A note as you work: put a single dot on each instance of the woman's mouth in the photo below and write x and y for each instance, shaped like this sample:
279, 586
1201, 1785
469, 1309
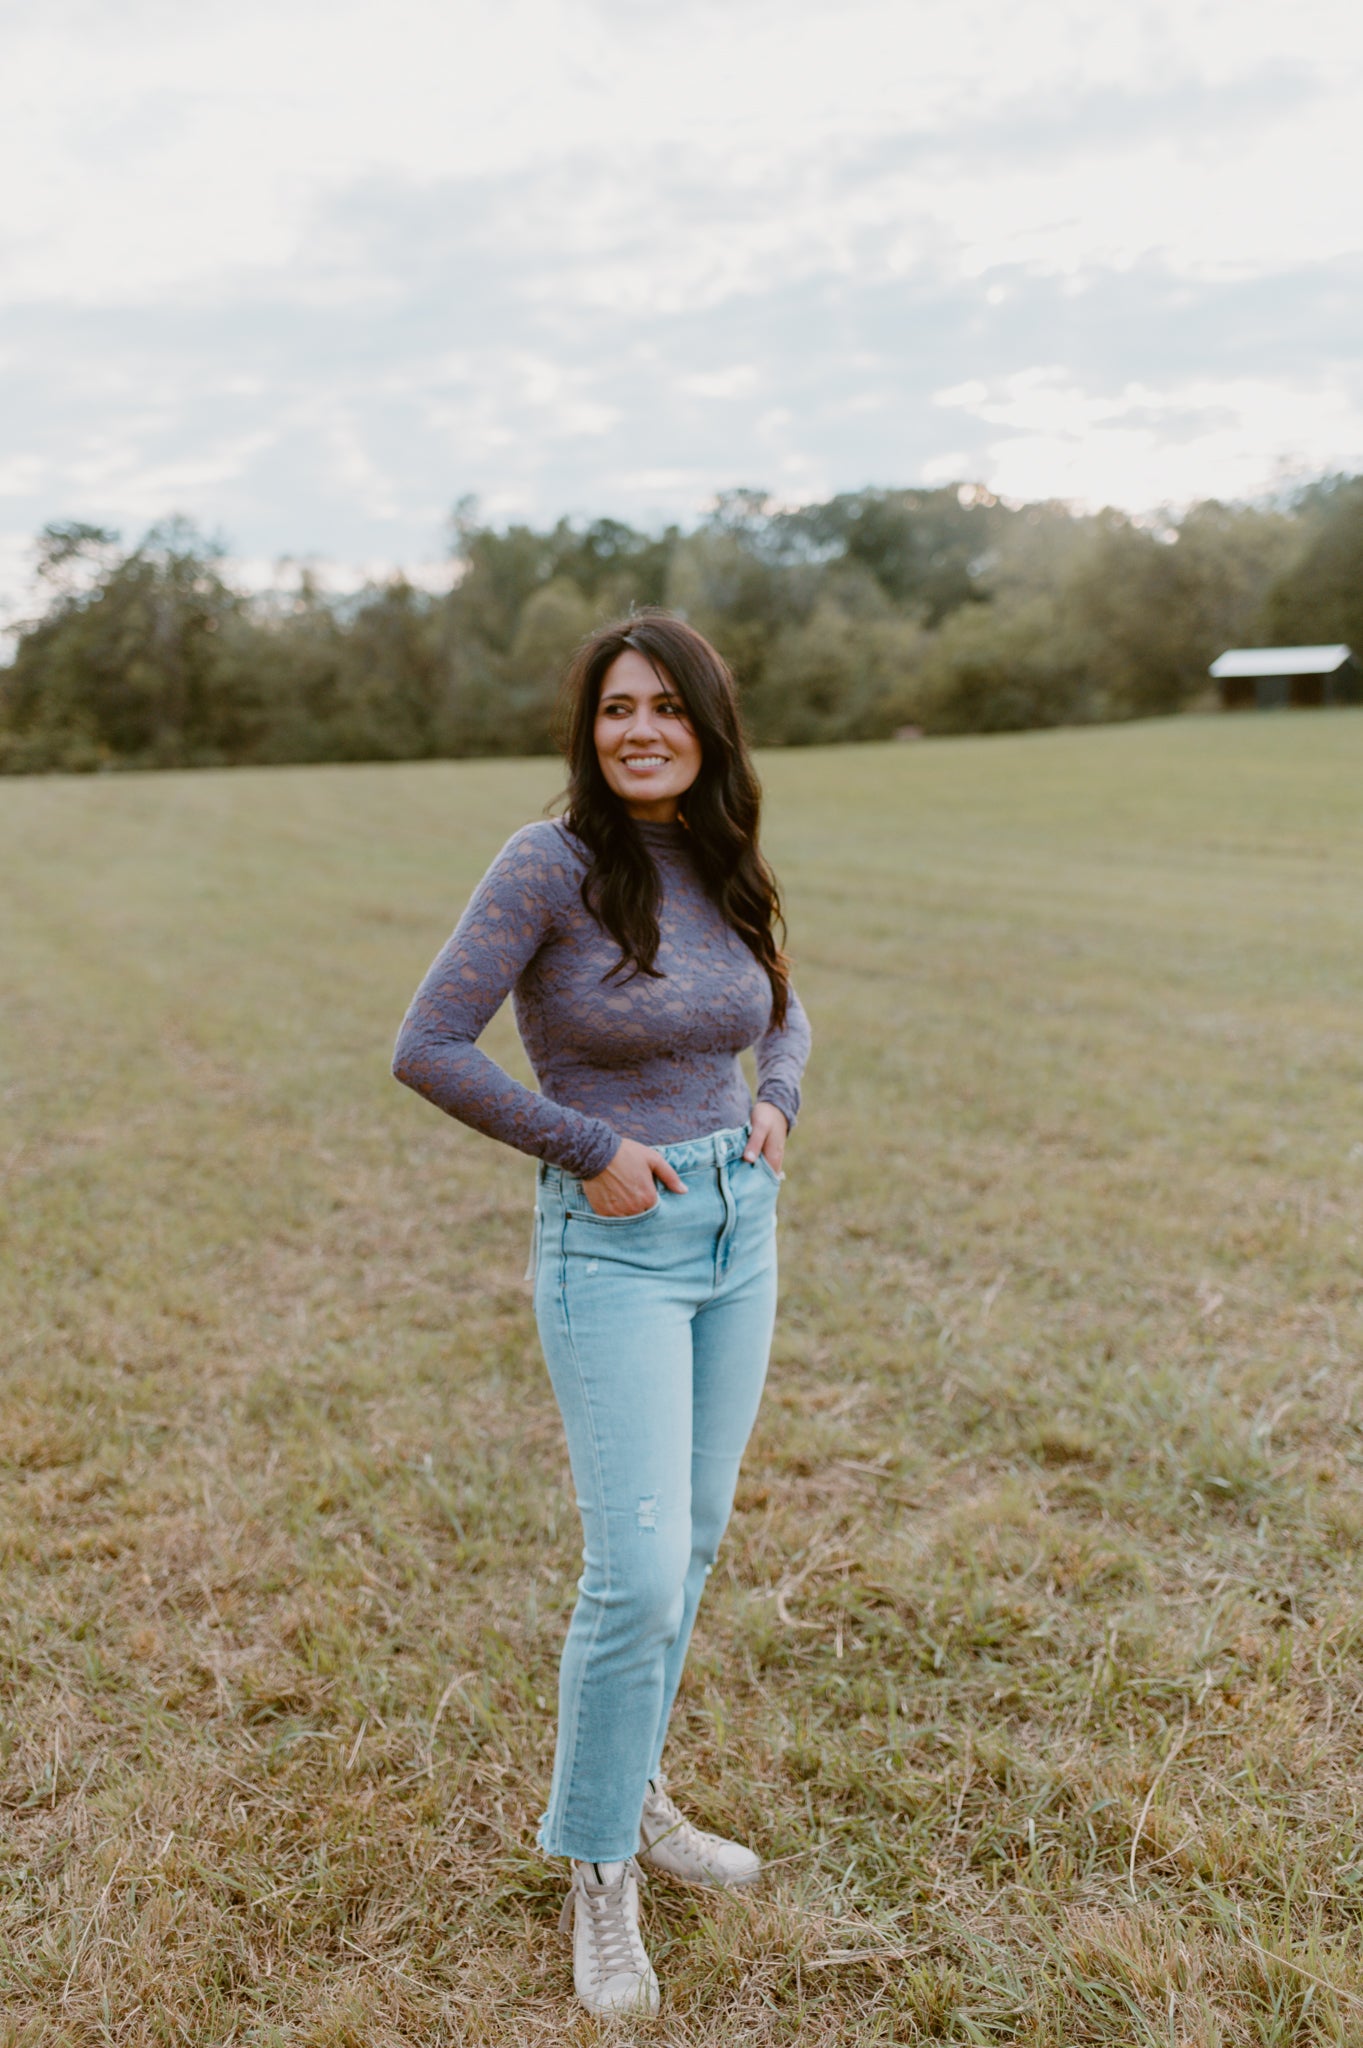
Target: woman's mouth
643, 764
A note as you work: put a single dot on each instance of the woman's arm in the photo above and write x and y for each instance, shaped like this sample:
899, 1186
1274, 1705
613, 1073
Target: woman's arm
781, 1056
509, 917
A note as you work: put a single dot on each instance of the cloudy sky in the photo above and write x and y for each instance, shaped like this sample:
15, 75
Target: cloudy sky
311, 270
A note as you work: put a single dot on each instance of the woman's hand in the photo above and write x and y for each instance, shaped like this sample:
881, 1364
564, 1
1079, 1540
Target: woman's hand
768, 1136
626, 1186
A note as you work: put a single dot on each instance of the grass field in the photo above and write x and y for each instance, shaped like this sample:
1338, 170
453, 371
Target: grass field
1035, 1652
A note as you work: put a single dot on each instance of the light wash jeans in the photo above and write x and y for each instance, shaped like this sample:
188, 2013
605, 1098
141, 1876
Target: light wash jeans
656, 1330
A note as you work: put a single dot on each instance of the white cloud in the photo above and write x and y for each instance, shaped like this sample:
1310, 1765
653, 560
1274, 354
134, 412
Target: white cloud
738, 381
311, 272
151, 151
1143, 446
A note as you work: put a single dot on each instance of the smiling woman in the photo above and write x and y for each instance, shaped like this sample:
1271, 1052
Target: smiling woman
638, 938
646, 745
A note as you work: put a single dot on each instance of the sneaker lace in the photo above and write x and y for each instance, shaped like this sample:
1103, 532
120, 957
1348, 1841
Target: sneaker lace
665, 1818
615, 1943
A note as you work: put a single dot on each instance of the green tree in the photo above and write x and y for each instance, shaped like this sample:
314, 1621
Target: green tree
843, 673
1001, 667
1229, 557
929, 550
723, 580
393, 680
123, 665
1318, 598
552, 624
614, 566
939, 607
1125, 602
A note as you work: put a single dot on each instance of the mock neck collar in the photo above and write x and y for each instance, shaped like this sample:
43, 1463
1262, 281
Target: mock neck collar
655, 833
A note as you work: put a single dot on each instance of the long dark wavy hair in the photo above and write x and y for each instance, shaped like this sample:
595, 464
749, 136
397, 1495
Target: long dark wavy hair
721, 809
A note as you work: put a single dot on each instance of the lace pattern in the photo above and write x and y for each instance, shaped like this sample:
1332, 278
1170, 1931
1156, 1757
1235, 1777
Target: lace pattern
655, 1060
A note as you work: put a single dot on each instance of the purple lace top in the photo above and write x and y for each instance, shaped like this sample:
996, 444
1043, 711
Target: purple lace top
652, 1060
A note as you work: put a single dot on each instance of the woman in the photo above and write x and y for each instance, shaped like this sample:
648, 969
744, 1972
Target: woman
637, 938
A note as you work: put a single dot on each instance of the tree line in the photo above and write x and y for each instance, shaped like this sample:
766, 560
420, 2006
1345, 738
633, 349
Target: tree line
946, 610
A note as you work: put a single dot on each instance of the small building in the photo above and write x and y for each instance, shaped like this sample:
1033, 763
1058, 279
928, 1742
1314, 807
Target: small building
1279, 678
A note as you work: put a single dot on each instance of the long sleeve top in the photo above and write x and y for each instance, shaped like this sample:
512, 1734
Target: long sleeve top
655, 1060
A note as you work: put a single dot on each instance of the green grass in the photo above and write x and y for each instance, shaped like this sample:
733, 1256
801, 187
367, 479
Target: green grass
1035, 1652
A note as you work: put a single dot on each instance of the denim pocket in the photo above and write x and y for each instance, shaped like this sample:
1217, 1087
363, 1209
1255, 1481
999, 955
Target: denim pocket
586, 1214
769, 1169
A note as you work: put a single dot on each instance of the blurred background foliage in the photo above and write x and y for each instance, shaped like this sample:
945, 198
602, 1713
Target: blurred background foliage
942, 609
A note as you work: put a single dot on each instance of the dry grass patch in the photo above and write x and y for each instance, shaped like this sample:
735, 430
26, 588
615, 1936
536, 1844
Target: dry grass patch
1033, 1657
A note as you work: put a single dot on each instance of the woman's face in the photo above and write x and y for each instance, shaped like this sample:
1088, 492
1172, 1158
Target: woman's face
648, 752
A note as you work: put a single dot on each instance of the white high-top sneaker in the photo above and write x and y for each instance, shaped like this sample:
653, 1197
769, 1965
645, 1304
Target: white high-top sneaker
668, 1841
611, 1969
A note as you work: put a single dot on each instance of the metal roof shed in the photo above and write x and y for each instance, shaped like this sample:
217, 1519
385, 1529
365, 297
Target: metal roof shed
1273, 678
